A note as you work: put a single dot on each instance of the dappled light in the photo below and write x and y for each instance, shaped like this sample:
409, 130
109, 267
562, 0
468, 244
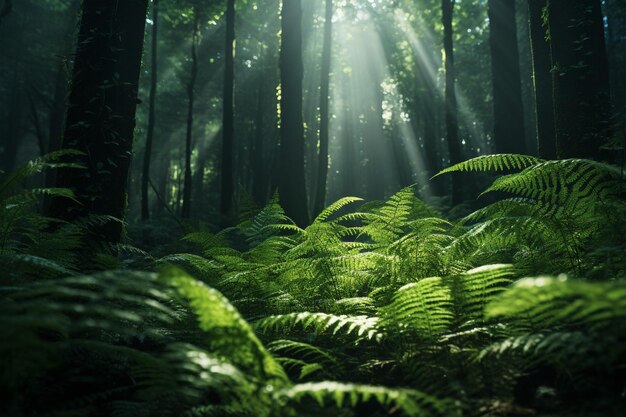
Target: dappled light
292, 208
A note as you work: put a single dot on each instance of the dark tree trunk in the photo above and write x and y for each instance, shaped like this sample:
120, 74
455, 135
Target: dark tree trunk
452, 127
508, 108
145, 174
580, 78
259, 174
542, 79
39, 134
228, 120
291, 184
9, 144
350, 152
101, 113
185, 211
56, 117
425, 111
322, 170
200, 202
6, 9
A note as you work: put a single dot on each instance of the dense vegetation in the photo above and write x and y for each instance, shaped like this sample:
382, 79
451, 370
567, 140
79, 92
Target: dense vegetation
479, 270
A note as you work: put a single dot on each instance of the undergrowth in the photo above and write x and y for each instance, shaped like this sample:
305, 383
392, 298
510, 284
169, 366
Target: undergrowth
378, 308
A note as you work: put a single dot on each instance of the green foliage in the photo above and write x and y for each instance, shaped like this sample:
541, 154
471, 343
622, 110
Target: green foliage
388, 309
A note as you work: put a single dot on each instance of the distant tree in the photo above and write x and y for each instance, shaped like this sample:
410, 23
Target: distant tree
452, 124
505, 68
616, 50
145, 174
185, 211
101, 113
7, 7
291, 184
542, 79
228, 119
324, 132
580, 77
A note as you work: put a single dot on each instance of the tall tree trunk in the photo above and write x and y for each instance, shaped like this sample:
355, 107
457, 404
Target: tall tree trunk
259, 173
322, 170
147, 157
9, 145
228, 117
542, 79
34, 116
580, 78
185, 211
291, 184
508, 109
425, 111
6, 9
452, 127
101, 113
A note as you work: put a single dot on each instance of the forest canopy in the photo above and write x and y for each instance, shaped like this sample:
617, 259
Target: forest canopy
298, 207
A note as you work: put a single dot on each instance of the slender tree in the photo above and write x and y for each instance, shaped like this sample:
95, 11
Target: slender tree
508, 109
6, 9
542, 79
259, 173
452, 127
228, 116
580, 77
185, 211
101, 113
145, 174
291, 184
322, 170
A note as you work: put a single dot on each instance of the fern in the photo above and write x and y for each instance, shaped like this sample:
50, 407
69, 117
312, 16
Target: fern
499, 162
361, 327
423, 308
409, 402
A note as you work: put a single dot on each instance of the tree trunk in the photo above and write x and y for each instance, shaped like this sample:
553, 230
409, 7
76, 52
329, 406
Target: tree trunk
452, 127
101, 113
145, 174
507, 88
185, 211
323, 160
425, 110
542, 79
147, 157
580, 78
259, 173
228, 119
291, 184
9, 145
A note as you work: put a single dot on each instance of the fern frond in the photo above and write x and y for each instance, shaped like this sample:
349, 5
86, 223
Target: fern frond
543, 302
216, 314
424, 308
409, 402
335, 207
361, 327
499, 162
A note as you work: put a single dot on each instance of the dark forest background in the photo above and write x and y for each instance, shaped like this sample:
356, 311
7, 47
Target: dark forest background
347, 208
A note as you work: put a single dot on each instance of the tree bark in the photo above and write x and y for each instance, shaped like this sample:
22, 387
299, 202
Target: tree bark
9, 145
323, 160
185, 211
145, 174
259, 173
292, 184
542, 79
452, 127
228, 117
580, 77
508, 109
101, 114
